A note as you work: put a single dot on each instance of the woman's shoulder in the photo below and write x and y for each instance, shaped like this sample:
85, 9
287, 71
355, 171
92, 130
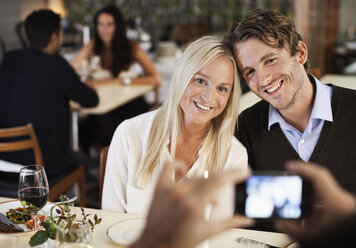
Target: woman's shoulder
90, 44
136, 129
237, 157
137, 50
236, 144
134, 44
140, 122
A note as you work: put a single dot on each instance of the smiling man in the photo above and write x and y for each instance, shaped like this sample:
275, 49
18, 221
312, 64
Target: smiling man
299, 117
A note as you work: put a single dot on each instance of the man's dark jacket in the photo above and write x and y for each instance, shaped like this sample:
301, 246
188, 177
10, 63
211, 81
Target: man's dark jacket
36, 88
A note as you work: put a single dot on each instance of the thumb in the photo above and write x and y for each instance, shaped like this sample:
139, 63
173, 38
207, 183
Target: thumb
237, 221
291, 228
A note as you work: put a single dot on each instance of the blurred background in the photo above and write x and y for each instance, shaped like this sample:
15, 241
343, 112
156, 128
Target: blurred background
327, 26
164, 28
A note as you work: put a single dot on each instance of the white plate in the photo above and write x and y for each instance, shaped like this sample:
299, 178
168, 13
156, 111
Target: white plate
125, 232
46, 210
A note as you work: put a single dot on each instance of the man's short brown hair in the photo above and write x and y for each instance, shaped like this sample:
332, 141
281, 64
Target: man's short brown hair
263, 25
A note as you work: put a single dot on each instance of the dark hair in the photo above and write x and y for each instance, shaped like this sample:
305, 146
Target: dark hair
263, 25
121, 46
40, 25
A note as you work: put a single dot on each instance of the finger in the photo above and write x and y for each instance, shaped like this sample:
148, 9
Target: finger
292, 228
208, 187
169, 169
237, 221
324, 183
310, 171
326, 187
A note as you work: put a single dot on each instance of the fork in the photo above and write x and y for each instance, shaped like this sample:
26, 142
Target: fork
253, 243
71, 200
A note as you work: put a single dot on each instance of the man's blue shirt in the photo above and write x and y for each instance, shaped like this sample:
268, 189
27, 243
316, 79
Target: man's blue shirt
304, 143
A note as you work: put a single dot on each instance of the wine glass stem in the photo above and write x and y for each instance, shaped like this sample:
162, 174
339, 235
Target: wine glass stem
36, 223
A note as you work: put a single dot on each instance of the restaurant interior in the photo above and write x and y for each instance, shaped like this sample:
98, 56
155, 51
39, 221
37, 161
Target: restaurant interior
164, 29
327, 27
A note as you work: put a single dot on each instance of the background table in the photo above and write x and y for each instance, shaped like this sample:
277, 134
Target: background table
226, 239
247, 100
346, 81
111, 96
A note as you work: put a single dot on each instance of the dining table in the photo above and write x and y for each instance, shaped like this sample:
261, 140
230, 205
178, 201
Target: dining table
109, 218
342, 80
247, 100
111, 96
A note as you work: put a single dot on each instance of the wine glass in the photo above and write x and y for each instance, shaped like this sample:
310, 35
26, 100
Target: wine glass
33, 188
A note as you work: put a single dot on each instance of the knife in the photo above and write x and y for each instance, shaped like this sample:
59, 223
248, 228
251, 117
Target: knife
253, 243
7, 225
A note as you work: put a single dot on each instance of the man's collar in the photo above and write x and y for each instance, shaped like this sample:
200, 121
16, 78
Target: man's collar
322, 102
321, 106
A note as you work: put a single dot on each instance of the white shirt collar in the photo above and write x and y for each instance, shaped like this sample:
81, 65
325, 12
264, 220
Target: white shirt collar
321, 108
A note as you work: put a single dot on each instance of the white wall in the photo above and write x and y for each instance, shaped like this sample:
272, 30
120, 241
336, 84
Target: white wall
346, 17
11, 12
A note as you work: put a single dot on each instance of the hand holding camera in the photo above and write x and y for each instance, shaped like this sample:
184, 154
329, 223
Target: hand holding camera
332, 204
268, 195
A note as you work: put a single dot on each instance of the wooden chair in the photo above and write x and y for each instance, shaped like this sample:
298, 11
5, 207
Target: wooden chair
2, 49
21, 34
12, 146
29, 141
103, 157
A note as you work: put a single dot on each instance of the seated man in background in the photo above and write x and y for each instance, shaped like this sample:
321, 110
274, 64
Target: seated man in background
36, 87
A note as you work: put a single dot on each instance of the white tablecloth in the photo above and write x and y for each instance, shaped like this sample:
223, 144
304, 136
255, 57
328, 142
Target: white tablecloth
224, 240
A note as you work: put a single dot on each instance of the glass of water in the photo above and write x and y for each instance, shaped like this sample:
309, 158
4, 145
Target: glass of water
78, 235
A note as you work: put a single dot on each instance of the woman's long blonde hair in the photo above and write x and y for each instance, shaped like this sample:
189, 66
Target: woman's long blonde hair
168, 121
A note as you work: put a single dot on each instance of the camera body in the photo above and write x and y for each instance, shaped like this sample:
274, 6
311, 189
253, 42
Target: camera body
273, 194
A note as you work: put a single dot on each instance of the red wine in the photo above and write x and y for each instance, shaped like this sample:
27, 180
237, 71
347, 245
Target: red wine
37, 196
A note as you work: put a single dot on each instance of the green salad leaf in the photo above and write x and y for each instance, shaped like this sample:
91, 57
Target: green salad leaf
65, 219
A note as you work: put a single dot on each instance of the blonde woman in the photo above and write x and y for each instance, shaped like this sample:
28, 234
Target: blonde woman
195, 125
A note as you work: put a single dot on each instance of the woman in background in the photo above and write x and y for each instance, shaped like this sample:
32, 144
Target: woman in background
117, 54
195, 124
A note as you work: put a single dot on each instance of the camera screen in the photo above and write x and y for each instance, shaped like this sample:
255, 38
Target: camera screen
273, 196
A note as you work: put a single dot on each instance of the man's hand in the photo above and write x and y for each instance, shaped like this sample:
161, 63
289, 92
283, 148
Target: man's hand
334, 204
176, 217
92, 83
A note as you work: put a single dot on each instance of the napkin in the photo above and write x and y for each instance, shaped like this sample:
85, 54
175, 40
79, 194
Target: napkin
6, 166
